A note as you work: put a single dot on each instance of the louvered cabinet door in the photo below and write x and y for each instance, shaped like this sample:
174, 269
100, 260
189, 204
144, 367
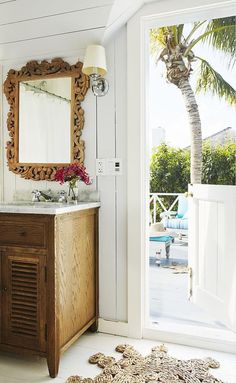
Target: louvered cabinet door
23, 300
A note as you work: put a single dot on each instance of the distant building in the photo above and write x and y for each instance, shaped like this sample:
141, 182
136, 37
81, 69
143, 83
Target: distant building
158, 136
221, 137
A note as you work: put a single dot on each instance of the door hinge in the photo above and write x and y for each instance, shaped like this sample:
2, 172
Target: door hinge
46, 331
188, 194
45, 273
190, 279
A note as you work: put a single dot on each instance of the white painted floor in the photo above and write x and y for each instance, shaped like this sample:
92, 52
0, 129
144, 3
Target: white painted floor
15, 369
168, 292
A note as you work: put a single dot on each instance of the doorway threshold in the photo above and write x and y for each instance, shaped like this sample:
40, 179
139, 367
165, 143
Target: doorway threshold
196, 336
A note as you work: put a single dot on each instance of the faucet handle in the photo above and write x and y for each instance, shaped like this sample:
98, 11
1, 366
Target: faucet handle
36, 194
62, 196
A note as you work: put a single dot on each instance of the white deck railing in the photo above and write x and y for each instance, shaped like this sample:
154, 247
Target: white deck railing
155, 199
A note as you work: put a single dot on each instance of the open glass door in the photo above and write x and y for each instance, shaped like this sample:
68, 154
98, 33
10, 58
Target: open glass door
194, 240
212, 250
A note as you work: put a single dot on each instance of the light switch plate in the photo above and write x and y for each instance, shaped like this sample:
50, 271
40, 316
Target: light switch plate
108, 167
114, 167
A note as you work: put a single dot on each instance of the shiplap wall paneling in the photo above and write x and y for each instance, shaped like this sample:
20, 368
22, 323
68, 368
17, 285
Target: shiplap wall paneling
6, 1
51, 26
106, 142
121, 181
90, 137
15, 11
113, 221
61, 45
105, 137
93, 18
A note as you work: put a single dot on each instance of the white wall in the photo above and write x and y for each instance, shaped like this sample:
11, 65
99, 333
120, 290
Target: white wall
111, 142
104, 134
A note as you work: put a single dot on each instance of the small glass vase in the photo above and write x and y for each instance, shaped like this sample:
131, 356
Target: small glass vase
73, 191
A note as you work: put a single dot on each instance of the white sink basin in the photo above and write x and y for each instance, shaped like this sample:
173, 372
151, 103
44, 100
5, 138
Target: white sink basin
34, 204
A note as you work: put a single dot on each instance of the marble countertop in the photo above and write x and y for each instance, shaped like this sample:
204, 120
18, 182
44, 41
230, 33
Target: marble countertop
45, 207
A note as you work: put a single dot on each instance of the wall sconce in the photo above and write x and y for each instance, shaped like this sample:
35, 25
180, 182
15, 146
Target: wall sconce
95, 67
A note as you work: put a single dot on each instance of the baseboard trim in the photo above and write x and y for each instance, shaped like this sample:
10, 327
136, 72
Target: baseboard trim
114, 328
213, 341
192, 340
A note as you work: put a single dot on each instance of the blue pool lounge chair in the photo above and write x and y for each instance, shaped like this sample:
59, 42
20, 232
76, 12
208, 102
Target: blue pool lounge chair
177, 221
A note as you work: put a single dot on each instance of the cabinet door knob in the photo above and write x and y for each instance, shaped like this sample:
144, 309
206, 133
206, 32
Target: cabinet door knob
4, 289
23, 233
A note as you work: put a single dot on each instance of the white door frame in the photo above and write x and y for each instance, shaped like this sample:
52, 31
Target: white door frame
154, 14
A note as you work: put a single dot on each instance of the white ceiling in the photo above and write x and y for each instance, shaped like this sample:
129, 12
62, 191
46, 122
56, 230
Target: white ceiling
34, 27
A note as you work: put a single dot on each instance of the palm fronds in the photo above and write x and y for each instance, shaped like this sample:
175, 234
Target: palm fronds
222, 39
157, 42
230, 29
179, 33
211, 80
157, 38
196, 26
164, 40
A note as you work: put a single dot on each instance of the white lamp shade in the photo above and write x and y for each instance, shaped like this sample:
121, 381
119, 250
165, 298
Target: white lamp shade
95, 60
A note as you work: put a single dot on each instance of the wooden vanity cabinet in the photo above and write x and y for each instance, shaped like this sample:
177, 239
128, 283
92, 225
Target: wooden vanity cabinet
48, 281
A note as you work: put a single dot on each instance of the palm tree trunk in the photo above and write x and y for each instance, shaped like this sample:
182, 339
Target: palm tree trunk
196, 132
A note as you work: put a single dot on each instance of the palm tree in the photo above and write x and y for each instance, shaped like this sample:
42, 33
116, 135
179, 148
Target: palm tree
174, 46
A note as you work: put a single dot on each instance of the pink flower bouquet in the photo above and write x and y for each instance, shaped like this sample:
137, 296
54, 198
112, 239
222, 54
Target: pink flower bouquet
71, 174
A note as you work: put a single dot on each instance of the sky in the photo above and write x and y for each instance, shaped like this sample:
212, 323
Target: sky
166, 106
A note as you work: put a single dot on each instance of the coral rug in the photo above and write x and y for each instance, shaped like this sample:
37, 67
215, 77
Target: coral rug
156, 367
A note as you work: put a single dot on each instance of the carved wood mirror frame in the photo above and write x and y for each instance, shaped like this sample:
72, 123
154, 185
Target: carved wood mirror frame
35, 70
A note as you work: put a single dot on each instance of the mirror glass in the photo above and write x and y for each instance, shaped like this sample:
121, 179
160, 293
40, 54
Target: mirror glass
45, 121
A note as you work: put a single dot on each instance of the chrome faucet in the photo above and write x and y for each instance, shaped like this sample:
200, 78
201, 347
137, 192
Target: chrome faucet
38, 193
49, 196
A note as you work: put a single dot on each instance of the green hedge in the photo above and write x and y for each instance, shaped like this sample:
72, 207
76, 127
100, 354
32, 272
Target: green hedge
170, 167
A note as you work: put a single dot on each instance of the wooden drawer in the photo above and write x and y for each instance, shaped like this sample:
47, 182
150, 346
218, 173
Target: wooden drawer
23, 233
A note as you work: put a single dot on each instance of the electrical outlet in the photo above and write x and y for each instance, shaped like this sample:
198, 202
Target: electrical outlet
100, 167
108, 167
